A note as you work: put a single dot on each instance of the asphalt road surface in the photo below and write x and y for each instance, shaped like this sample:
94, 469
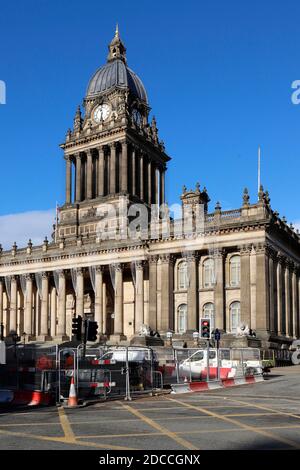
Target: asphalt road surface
258, 416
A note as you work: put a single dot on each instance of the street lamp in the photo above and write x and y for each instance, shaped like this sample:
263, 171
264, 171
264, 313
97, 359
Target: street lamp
169, 336
196, 338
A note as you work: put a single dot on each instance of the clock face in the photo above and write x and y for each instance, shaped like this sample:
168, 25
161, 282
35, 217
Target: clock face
101, 112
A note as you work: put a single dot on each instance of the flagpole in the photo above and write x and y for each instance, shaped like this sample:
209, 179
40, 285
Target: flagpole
258, 171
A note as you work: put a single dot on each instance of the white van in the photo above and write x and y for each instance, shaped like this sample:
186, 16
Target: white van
134, 354
232, 362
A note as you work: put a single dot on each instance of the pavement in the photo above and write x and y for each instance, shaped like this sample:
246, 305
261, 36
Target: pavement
257, 416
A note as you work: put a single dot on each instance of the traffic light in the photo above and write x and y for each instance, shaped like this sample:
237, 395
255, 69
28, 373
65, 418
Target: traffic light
77, 327
92, 327
205, 332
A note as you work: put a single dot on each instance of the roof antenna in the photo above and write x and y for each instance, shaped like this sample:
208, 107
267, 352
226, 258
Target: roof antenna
258, 171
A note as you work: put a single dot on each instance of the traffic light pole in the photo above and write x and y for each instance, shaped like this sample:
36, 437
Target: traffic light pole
207, 357
85, 334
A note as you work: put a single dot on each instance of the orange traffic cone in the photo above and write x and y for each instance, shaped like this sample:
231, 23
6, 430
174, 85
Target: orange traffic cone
72, 401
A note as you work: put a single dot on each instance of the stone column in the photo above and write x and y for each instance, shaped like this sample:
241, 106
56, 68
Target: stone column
219, 292
262, 288
287, 285
100, 171
13, 304
295, 302
153, 292
157, 190
78, 195
245, 285
162, 186
298, 315
139, 296
119, 315
133, 175
279, 295
1, 300
124, 166
44, 307
80, 292
149, 166
142, 176
53, 310
28, 308
104, 309
271, 291
89, 174
68, 179
61, 327
192, 292
167, 292
99, 298
112, 178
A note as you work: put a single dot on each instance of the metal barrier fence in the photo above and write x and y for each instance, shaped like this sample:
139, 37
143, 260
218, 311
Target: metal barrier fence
119, 371
211, 364
99, 373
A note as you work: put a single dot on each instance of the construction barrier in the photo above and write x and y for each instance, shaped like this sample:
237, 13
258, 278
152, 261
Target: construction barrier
205, 386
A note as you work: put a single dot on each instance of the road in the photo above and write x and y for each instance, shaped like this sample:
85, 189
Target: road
258, 416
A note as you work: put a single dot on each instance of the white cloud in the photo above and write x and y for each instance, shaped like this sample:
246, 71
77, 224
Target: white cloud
20, 227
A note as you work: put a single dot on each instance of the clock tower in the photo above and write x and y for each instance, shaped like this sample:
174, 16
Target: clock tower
113, 152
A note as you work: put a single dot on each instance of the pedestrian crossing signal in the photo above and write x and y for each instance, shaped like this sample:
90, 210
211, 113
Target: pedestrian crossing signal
205, 332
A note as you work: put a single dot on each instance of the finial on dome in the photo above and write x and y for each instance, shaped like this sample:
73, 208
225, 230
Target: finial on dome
116, 48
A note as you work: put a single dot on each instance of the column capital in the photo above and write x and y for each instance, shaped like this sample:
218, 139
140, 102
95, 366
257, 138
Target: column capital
113, 144
124, 141
245, 250
68, 158
167, 258
99, 269
139, 265
45, 275
90, 152
152, 259
118, 267
281, 259
28, 276
77, 155
61, 273
79, 271
260, 248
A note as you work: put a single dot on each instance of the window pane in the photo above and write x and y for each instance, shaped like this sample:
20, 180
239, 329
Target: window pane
182, 276
235, 270
182, 318
208, 272
234, 315
209, 312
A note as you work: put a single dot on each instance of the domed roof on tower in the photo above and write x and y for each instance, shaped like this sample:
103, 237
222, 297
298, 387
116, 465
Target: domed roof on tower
116, 73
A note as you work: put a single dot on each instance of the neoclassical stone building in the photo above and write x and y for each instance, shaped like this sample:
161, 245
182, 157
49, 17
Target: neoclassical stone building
237, 266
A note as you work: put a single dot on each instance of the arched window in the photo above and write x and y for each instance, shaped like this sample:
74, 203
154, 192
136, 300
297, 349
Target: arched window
235, 270
235, 316
209, 312
208, 272
182, 318
182, 275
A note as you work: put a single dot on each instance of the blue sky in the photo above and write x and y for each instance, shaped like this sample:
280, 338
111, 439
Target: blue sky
218, 76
